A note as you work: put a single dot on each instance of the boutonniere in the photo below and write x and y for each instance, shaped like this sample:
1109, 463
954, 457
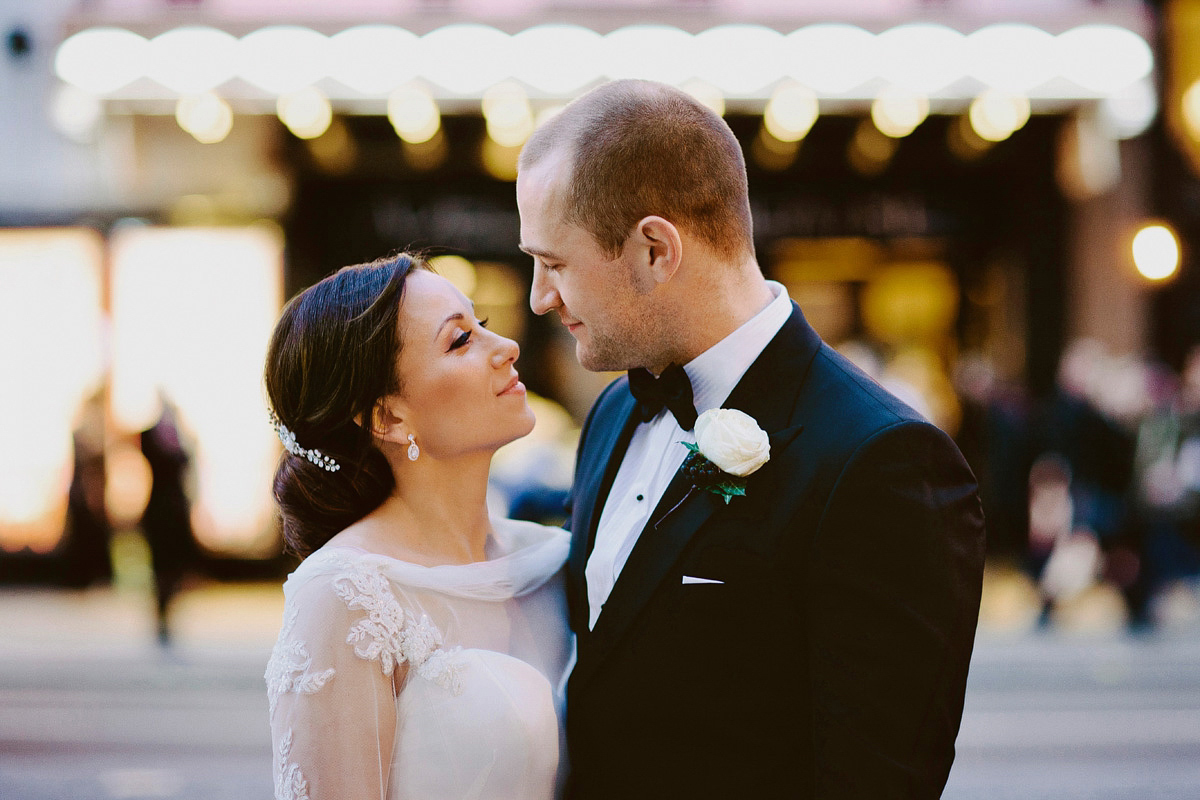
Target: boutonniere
729, 447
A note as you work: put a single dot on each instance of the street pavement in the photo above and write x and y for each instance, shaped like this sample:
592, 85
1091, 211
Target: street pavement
92, 709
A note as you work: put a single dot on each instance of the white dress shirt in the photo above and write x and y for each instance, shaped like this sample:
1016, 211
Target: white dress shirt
656, 451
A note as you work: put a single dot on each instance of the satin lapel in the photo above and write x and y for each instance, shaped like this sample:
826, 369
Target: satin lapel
766, 392
598, 481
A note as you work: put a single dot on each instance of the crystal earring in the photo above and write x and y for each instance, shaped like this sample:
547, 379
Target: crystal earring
413, 450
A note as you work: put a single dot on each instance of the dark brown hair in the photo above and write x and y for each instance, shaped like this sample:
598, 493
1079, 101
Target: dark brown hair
638, 148
332, 355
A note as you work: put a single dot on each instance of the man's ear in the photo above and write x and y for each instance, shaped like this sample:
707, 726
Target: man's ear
388, 420
662, 247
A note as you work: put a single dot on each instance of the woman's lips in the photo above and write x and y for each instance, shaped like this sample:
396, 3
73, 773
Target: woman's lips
514, 387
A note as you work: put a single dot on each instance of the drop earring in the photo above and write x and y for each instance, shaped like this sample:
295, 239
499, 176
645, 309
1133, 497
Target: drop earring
413, 451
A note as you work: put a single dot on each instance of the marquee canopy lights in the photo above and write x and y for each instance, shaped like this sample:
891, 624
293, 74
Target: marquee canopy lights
901, 74
744, 61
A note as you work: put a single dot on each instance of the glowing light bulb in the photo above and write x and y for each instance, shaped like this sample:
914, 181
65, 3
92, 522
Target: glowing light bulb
193, 59
283, 58
740, 76
791, 112
830, 58
897, 113
414, 114
374, 59
207, 117
508, 115
997, 115
922, 57
1156, 252
102, 60
1104, 58
306, 113
707, 94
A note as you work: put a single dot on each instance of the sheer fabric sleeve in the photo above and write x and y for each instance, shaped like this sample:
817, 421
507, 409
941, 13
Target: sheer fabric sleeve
331, 688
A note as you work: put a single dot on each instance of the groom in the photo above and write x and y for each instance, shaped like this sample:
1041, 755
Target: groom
809, 639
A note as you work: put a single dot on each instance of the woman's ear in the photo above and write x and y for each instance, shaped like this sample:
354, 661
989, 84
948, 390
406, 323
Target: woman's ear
662, 245
388, 420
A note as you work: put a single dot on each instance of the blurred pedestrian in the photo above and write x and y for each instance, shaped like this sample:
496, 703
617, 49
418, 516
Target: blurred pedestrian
166, 522
85, 549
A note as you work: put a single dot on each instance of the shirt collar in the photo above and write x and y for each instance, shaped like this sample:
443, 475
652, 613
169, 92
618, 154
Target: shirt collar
715, 372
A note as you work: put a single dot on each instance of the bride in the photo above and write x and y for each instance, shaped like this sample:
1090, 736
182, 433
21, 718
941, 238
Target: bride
424, 644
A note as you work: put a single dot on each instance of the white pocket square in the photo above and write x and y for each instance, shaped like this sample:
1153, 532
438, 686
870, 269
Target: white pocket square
691, 579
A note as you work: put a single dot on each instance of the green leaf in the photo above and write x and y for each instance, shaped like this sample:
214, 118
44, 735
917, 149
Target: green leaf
732, 489
695, 448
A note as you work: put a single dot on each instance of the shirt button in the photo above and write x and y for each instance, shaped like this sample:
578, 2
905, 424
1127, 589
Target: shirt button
639, 498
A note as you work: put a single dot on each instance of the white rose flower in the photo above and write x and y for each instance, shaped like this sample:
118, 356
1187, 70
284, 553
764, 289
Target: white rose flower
732, 440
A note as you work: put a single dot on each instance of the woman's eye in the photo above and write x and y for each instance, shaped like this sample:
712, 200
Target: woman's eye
462, 339
483, 322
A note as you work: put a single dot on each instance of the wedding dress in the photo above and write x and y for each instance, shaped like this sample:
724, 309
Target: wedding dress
392, 680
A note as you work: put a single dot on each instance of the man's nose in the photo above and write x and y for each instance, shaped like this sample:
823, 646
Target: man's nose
542, 295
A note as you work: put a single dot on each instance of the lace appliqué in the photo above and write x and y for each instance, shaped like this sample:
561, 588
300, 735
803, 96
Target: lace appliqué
391, 635
290, 783
287, 671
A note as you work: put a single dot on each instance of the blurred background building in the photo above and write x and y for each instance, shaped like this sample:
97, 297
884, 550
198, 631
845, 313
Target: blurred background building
992, 206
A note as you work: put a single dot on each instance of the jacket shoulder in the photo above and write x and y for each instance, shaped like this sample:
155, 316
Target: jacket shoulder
841, 398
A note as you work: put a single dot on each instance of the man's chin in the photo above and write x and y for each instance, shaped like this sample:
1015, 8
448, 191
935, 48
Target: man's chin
592, 361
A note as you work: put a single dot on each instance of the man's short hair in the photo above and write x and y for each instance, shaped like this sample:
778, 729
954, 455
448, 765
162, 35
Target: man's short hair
638, 148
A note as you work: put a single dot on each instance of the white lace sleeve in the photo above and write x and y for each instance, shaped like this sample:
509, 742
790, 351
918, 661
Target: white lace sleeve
331, 684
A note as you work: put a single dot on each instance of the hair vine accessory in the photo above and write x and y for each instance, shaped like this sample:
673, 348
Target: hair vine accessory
292, 446
413, 451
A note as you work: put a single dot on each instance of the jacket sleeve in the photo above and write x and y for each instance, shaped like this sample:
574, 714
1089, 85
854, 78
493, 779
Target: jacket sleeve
893, 603
332, 700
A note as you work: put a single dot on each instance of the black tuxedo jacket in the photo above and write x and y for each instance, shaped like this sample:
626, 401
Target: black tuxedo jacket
832, 660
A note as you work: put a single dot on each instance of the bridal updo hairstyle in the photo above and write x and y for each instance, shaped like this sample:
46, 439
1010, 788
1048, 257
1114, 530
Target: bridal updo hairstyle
332, 356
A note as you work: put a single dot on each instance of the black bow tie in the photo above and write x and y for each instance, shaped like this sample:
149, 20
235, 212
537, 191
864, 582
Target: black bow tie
670, 390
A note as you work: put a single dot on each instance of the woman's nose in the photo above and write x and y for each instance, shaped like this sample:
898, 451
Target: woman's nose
506, 351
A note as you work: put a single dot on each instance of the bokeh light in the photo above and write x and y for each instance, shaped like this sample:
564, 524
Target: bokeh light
791, 112
52, 356
466, 58
921, 57
707, 94
414, 114
652, 52
1156, 252
1104, 58
831, 58
192, 312
508, 114
306, 113
193, 59
101, 60
374, 59
1012, 57
997, 115
897, 112
746, 58
75, 113
558, 59
283, 58
207, 117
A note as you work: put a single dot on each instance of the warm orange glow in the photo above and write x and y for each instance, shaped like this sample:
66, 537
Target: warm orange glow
51, 358
193, 309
